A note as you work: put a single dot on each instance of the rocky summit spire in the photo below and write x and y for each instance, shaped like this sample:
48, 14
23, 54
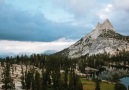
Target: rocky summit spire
103, 39
107, 25
99, 25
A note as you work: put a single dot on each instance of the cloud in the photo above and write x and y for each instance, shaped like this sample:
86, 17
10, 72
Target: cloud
73, 18
17, 47
80, 7
120, 16
39, 25
105, 12
117, 12
24, 26
76, 7
124, 4
83, 11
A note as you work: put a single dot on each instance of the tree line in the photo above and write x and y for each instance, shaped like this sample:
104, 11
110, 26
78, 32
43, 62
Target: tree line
53, 73
56, 72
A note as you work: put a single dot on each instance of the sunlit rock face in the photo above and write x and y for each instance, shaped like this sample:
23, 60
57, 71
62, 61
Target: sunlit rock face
103, 39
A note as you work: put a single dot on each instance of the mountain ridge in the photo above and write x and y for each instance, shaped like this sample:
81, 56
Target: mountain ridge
49, 52
103, 39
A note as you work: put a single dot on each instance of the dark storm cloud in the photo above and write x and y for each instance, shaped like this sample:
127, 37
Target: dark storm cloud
17, 23
21, 25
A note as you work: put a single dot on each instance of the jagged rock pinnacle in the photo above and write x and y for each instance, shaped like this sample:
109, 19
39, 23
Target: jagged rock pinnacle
103, 39
99, 25
105, 25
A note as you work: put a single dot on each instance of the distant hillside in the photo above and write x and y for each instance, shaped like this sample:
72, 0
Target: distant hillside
49, 52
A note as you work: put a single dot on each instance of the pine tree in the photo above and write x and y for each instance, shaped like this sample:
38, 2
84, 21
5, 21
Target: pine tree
22, 78
78, 85
119, 86
28, 79
66, 78
97, 83
44, 80
37, 81
7, 80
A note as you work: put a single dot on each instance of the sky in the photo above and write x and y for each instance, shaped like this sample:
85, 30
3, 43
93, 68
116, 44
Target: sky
34, 26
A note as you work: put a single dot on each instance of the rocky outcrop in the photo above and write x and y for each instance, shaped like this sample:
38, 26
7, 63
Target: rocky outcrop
103, 39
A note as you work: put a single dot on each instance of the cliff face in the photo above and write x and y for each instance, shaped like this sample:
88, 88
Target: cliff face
103, 39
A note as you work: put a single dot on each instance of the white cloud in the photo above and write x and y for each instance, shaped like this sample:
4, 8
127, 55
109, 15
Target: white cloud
82, 11
76, 7
81, 6
17, 47
108, 8
121, 4
105, 12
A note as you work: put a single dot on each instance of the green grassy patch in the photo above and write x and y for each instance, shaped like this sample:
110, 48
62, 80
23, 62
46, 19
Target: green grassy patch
90, 85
